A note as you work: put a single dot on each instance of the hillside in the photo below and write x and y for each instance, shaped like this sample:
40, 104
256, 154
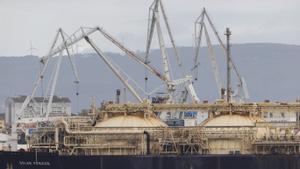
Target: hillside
271, 72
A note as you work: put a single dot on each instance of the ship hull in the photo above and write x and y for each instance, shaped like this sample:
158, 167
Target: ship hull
31, 160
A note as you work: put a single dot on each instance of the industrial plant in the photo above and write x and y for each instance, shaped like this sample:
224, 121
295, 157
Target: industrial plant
171, 130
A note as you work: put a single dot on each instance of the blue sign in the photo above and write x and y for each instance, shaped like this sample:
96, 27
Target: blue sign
31, 130
190, 114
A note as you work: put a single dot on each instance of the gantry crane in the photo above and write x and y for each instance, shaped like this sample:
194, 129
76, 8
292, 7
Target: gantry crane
200, 26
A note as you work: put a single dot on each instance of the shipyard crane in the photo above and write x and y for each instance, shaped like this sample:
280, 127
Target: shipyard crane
83, 33
54, 50
80, 34
200, 26
119, 72
123, 77
148, 66
154, 22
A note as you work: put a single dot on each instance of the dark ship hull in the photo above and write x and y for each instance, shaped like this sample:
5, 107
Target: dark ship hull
31, 160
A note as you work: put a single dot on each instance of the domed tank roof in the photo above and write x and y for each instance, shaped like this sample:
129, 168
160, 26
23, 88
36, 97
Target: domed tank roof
131, 121
231, 120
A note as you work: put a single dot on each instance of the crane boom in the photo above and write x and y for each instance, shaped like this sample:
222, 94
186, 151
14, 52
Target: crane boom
68, 42
155, 22
45, 60
133, 55
113, 68
178, 58
54, 82
150, 30
38, 80
197, 44
188, 85
213, 60
200, 21
141, 61
74, 69
223, 46
165, 58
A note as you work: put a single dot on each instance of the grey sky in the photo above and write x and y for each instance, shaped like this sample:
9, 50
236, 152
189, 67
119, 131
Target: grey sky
23, 21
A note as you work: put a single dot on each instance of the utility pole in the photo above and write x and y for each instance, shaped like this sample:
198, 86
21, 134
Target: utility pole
228, 33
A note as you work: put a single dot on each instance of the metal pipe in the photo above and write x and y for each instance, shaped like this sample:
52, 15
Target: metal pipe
67, 129
147, 142
118, 94
56, 138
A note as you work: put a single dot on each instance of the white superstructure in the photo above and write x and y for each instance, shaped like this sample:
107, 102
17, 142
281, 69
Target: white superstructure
61, 106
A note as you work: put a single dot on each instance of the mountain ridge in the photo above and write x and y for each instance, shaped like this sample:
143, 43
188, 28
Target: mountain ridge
270, 69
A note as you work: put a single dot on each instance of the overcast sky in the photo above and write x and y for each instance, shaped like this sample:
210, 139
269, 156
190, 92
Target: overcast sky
36, 21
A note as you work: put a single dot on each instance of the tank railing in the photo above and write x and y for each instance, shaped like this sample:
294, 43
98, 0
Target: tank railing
107, 143
229, 132
74, 140
44, 140
277, 148
107, 140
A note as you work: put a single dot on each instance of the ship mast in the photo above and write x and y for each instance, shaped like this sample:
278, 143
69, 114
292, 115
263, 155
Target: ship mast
228, 33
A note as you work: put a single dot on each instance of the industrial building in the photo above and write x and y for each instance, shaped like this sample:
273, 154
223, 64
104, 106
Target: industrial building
61, 106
